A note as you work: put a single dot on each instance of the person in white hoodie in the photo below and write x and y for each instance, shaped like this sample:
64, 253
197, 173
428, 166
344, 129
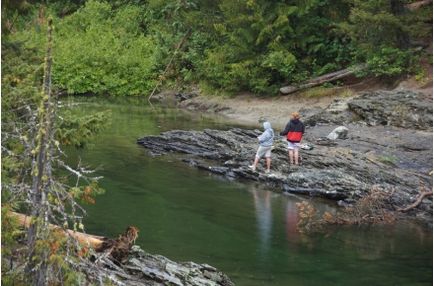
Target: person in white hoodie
265, 146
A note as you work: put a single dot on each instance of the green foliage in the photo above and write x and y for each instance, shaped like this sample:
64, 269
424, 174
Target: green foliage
283, 62
382, 31
319, 91
388, 61
259, 45
388, 159
421, 76
22, 72
9, 242
10, 230
77, 129
20, 82
121, 47
21, 77
102, 51
419, 22
13, 255
372, 25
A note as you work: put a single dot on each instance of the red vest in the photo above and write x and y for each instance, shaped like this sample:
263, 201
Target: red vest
294, 136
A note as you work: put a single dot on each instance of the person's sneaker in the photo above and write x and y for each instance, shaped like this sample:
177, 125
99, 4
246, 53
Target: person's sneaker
267, 171
252, 168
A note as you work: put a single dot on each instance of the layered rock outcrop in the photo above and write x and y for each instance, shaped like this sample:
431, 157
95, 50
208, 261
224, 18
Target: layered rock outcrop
388, 144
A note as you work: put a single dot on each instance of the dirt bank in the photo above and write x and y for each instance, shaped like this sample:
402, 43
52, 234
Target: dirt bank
247, 109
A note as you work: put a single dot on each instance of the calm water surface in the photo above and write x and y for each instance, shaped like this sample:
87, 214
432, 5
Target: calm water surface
243, 229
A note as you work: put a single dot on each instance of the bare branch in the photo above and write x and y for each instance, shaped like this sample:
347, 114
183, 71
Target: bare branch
418, 201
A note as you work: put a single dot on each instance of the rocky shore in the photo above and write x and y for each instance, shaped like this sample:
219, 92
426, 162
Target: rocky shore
388, 145
144, 269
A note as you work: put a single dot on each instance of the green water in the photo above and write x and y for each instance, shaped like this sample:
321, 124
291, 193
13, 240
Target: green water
243, 229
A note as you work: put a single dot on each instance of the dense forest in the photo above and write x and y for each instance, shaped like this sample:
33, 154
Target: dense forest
123, 47
127, 48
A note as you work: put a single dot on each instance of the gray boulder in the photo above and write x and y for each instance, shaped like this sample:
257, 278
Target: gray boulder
340, 132
405, 109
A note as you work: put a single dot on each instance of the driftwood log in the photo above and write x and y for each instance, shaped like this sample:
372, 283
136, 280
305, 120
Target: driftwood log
418, 201
321, 79
416, 5
117, 249
125, 264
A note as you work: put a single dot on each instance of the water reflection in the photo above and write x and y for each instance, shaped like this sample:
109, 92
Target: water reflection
250, 236
264, 218
377, 242
291, 219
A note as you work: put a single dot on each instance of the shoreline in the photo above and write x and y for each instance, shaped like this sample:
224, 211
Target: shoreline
383, 134
246, 109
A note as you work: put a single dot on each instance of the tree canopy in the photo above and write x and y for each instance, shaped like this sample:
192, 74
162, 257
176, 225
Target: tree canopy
121, 47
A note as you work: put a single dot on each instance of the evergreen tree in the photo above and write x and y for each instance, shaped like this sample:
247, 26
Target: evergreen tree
31, 158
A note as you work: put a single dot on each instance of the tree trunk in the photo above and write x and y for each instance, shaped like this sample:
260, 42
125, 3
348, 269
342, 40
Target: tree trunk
118, 248
402, 37
36, 267
161, 77
321, 79
83, 238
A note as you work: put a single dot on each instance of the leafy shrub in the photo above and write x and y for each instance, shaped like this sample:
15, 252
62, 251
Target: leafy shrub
281, 61
120, 48
102, 51
388, 61
215, 70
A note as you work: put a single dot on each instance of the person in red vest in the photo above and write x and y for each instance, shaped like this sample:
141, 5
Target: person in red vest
294, 131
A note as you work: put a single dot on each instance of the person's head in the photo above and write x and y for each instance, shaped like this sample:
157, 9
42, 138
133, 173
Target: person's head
267, 125
295, 115
262, 119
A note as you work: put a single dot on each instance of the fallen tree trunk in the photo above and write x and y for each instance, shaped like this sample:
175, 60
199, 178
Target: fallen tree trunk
130, 265
321, 79
418, 4
118, 248
83, 238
